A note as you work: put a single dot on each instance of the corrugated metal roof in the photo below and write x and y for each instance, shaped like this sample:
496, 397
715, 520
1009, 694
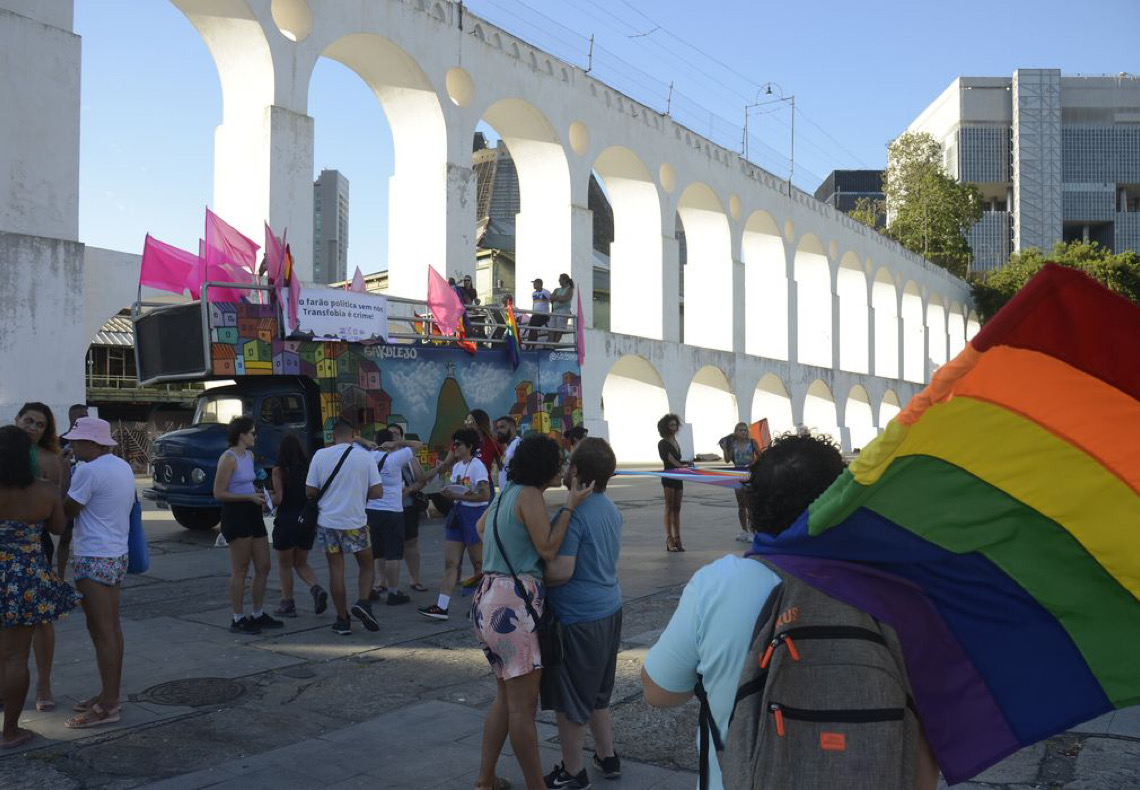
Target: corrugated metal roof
118, 331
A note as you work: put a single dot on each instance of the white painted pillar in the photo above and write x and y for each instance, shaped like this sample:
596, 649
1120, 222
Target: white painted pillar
670, 288
793, 306
291, 184
739, 308
582, 261
460, 223
833, 271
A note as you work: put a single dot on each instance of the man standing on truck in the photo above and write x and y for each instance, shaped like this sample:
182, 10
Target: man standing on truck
349, 478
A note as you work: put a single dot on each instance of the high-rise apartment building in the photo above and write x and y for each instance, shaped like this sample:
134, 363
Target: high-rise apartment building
843, 189
330, 228
1056, 158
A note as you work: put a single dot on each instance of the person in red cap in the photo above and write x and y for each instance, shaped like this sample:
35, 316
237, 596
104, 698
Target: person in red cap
100, 499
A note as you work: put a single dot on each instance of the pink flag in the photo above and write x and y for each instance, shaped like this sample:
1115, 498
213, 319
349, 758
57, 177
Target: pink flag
165, 267
358, 282
580, 333
446, 309
294, 290
225, 245
274, 256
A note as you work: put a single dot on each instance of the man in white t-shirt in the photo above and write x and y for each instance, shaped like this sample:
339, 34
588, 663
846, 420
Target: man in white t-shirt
100, 500
540, 310
507, 434
342, 526
386, 514
470, 493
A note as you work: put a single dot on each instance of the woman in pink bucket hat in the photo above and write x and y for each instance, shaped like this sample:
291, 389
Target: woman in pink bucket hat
100, 499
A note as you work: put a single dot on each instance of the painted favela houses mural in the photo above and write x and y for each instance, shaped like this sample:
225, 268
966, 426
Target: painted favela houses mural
425, 389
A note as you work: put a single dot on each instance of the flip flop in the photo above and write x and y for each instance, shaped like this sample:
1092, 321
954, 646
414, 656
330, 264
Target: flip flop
84, 705
44, 705
500, 784
23, 737
95, 716
419, 587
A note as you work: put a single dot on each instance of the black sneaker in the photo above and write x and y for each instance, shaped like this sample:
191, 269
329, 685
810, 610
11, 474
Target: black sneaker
342, 627
610, 767
434, 612
397, 598
320, 599
362, 610
265, 621
244, 626
559, 778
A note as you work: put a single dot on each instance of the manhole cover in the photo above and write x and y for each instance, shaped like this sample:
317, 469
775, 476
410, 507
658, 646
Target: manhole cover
193, 692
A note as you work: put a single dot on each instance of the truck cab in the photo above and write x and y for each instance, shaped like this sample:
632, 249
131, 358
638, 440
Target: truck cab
185, 462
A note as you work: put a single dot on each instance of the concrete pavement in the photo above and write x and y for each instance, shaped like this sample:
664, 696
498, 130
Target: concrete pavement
401, 708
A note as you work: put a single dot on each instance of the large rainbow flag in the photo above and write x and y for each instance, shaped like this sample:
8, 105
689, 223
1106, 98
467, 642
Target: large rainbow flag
996, 526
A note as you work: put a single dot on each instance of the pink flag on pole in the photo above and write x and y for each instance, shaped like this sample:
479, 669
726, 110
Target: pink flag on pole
580, 333
446, 309
358, 282
274, 256
224, 244
165, 267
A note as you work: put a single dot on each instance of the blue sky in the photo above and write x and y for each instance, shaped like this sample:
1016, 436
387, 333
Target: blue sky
859, 72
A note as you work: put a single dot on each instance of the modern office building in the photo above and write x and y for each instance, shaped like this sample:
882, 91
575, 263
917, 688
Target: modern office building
843, 189
1056, 158
330, 228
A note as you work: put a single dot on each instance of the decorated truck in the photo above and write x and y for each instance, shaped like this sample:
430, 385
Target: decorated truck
293, 383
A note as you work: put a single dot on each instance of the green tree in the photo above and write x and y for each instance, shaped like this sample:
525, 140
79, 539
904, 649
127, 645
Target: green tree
927, 211
867, 211
1119, 272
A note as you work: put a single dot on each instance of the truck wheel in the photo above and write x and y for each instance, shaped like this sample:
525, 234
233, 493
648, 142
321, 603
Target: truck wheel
197, 517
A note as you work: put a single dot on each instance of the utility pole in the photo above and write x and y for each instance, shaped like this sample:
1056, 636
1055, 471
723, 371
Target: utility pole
669, 101
590, 55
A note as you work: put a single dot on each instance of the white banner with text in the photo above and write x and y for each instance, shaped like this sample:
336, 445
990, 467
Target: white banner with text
329, 314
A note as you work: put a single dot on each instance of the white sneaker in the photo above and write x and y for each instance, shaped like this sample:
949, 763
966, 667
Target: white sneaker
744, 537
220, 543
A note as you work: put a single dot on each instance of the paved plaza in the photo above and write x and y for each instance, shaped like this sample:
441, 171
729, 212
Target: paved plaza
402, 708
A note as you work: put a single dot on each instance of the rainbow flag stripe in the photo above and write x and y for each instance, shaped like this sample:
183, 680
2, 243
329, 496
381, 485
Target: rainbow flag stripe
996, 525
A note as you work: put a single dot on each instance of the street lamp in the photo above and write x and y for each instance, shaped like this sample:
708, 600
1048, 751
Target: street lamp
766, 89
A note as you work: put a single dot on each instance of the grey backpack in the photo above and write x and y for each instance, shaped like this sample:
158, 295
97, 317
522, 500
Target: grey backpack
823, 701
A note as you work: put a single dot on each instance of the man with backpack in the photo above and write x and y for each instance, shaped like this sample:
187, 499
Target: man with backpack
796, 689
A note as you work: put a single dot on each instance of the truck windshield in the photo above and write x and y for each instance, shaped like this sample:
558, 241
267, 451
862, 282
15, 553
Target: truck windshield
220, 408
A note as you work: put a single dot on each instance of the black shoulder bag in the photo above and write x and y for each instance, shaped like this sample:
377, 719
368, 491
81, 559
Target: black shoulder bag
307, 520
547, 627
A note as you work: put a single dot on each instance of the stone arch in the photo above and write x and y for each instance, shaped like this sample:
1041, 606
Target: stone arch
542, 226
973, 326
707, 273
813, 303
635, 253
885, 302
765, 288
710, 408
913, 335
237, 43
936, 331
858, 418
956, 329
819, 410
633, 400
770, 401
417, 190
888, 408
851, 289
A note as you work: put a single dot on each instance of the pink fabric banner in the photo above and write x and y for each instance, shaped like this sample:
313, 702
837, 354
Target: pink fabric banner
165, 267
224, 244
358, 284
294, 289
580, 332
446, 309
274, 256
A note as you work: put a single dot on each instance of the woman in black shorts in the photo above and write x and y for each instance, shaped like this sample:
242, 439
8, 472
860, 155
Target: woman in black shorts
291, 540
670, 452
243, 527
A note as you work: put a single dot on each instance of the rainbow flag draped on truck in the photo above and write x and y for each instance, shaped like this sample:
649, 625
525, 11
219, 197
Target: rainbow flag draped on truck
996, 526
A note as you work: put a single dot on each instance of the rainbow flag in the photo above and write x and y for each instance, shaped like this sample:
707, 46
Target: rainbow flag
996, 526
511, 335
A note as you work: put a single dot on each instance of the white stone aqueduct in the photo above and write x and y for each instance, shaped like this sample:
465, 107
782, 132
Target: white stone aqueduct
792, 311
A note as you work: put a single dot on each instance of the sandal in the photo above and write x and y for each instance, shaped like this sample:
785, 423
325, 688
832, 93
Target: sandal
671, 544
500, 784
95, 716
44, 704
22, 737
419, 587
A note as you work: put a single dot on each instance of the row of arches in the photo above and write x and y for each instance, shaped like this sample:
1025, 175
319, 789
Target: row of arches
805, 299
634, 397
